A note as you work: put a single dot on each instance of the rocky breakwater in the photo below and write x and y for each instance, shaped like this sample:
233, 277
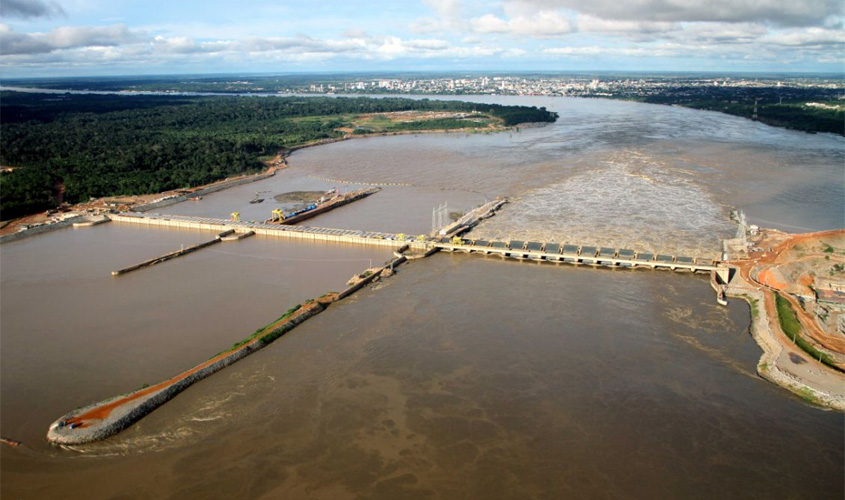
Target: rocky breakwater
106, 418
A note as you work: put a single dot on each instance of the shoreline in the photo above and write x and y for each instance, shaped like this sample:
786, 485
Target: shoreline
798, 372
79, 212
767, 366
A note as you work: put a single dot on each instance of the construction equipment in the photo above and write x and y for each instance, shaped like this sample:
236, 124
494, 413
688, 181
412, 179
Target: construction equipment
236, 216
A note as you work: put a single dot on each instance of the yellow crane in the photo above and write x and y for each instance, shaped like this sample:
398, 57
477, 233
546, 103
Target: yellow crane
278, 215
236, 216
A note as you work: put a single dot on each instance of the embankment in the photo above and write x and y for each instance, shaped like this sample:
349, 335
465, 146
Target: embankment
44, 228
763, 327
213, 188
107, 418
174, 254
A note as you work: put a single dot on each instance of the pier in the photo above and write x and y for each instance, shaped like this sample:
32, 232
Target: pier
174, 254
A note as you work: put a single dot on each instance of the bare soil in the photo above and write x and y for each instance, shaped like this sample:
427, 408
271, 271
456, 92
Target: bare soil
298, 196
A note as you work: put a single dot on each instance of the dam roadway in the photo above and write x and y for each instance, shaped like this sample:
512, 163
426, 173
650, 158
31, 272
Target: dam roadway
575, 254
267, 229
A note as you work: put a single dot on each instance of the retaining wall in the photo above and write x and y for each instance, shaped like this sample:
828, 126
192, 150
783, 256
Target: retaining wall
46, 228
143, 401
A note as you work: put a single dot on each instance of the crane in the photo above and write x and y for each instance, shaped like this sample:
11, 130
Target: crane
236, 216
278, 215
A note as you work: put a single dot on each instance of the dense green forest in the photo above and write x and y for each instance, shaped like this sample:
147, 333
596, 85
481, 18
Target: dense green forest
103, 145
776, 106
792, 115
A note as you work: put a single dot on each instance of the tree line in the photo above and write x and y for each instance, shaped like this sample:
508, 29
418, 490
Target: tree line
105, 145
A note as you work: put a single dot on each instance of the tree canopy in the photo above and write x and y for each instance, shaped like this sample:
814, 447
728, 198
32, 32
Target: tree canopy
103, 145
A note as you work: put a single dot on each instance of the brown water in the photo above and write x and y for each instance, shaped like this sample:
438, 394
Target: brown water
461, 377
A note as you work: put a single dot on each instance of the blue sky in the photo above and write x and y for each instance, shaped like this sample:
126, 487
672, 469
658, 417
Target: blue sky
128, 37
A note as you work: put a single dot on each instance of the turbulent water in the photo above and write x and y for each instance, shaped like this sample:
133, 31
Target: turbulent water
460, 377
650, 178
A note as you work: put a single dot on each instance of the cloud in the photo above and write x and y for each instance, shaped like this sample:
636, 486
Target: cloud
720, 33
12, 42
489, 23
593, 51
542, 24
593, 24
780, 12
813, 37
29, 9
449, 16
355, 33
448, 10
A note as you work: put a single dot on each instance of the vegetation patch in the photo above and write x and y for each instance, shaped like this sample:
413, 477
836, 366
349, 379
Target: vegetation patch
809, 396
77, 147
753, 303
263, 331
792, 328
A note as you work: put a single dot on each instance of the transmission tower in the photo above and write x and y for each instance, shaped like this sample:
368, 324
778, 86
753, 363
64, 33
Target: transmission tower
439, 217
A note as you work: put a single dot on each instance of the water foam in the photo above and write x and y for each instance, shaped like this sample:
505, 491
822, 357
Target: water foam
628, 201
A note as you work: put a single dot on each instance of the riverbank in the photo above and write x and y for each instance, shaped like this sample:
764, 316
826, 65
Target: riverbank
783, 362
40, 223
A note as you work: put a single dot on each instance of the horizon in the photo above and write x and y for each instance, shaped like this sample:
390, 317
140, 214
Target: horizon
399, 74
95, 38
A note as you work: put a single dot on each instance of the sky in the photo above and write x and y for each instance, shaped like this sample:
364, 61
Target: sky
129, 37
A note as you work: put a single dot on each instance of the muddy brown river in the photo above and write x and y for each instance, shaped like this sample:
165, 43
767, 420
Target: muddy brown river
461, 376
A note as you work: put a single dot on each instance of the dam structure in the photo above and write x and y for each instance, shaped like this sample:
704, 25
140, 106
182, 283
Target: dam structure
106, 418
522, 250
578, 254
375, 238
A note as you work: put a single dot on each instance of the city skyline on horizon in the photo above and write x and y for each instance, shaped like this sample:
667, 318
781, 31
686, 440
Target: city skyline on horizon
48, 38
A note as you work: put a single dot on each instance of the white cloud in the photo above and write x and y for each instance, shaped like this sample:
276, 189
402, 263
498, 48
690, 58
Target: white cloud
12, 42
781, 12
593, 24
489, 23
809, 37
542, 24
447, 10
449, 16
486, 30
